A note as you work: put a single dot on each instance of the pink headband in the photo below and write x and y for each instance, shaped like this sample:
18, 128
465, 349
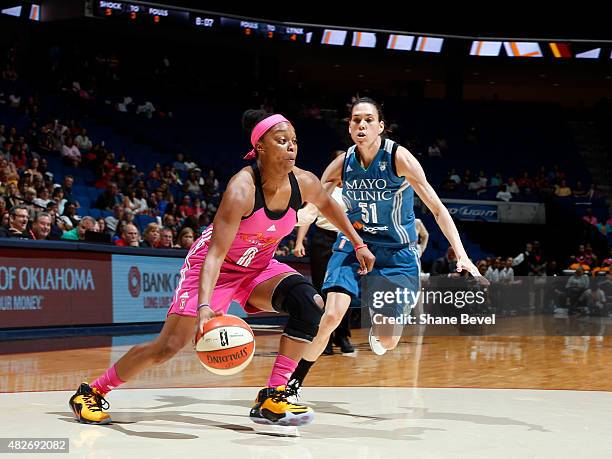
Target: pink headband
261, 128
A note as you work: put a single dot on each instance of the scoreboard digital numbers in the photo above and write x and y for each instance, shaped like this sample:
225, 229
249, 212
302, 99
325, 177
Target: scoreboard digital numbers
266, 29
141, 12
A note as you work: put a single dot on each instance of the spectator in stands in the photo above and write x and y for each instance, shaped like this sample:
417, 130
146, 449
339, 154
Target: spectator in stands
589, 217
140, 202
67, 188
445, 265
541, 182
477, 184
41, 226
606, 285
186, 238
30, 196
169, 221
575, 286
503, 194
593, 192
211, 183
101, 226
537, 264
2, 206
496, 180
57, 226
12, 196
433, 151
482, 267
179, 164
192, 185
69, 217
605, 228
2, 137
128, 200
512, 186
17, 224
454, 176
58, 197
520, 263
127, 217
83, 142
147, 109
151, 236
506, 274
70, 153
492, 272
589, 256
185, 208
79, 232
43, 198
130, 237
525, 183
109, 198
562, 190
166, 238
580, 191
198, 209
189, 163
593, 301
34, 165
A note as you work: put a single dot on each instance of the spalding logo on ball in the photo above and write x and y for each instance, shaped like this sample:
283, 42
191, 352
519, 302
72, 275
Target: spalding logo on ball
226, 346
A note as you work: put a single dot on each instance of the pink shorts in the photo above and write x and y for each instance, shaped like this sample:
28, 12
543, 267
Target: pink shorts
231, 285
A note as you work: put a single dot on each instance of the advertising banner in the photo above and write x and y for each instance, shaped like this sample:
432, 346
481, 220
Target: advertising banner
143, 287
44, 288
472, 212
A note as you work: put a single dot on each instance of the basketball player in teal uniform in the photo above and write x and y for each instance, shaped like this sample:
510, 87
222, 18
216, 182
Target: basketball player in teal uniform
378, 179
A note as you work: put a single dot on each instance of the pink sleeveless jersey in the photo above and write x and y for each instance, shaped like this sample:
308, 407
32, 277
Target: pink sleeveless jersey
249, 260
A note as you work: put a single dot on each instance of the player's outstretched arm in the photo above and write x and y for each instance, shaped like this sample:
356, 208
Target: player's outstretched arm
313, 192
408, 166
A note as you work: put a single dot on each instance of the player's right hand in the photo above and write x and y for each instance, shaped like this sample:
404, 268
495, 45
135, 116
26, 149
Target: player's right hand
204, 315
366, 260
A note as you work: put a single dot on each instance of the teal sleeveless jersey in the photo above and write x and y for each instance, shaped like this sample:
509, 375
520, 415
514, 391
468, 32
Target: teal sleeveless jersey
380, 204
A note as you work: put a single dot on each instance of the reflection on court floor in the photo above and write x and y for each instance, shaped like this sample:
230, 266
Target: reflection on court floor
350, 422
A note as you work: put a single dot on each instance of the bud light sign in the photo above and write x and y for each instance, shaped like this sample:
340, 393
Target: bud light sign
473, 212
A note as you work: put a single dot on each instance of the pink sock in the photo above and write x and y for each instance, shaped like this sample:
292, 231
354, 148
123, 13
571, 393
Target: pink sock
281, 371
108, 381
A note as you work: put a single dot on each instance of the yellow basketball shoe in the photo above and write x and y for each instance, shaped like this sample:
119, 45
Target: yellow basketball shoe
87, 405
272, 407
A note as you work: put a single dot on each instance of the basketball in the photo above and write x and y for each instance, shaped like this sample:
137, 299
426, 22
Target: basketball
226, 346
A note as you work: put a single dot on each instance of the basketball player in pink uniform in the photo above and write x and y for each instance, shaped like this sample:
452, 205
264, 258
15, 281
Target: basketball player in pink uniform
232, 260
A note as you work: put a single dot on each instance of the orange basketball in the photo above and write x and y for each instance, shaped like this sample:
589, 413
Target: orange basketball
227, 345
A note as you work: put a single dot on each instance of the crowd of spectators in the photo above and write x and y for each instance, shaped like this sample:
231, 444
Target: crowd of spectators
543, 184
177, 197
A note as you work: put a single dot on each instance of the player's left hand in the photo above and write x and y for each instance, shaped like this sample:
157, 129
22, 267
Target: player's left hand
366, 260
465, 264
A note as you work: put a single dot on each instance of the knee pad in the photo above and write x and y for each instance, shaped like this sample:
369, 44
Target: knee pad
297, 297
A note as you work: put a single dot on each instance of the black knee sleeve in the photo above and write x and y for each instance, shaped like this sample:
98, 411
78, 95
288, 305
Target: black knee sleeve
297, 297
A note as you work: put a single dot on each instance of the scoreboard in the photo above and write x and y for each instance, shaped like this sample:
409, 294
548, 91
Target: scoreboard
140, 12
390, 41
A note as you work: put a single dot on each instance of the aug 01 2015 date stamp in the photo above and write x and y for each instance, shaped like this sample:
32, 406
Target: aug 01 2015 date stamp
34, 445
